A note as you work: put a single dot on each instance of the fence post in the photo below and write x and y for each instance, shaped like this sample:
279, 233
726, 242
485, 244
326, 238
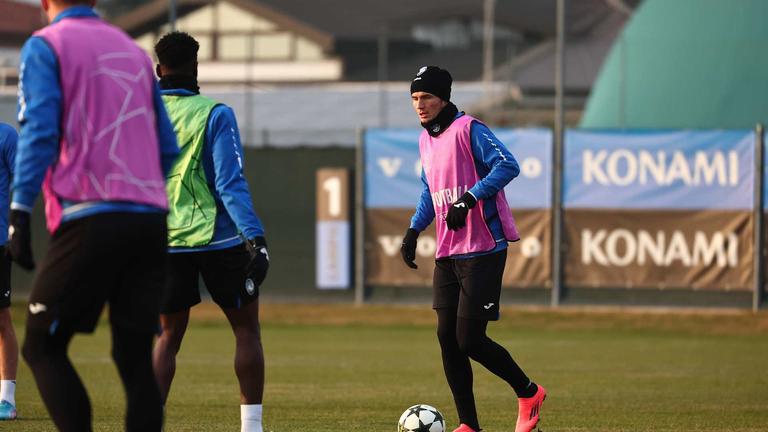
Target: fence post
557, 160
360, 218
758, 264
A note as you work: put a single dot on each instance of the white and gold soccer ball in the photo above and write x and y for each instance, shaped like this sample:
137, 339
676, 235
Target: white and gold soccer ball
421, 418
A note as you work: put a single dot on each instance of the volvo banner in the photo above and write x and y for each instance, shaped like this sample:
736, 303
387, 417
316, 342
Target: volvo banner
393, 186
669, 209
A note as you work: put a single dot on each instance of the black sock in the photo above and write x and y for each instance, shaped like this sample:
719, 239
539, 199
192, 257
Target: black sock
529, 391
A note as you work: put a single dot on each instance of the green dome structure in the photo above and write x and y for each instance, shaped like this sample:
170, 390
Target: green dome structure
685, 64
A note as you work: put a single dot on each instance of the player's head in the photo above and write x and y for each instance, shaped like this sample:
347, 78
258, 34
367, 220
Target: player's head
53, 7
177, 54
430, 92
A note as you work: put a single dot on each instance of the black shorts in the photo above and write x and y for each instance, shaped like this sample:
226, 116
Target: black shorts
224, 274
108, 257
472, 286
5, 279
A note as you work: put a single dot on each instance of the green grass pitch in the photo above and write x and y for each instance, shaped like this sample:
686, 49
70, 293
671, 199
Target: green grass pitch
340, 368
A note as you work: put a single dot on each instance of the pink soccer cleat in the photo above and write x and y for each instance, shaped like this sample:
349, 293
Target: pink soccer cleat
464, 428
528, 410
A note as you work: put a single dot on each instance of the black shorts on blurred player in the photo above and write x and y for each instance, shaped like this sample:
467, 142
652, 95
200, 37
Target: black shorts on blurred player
117, 258
5, 279
223, 272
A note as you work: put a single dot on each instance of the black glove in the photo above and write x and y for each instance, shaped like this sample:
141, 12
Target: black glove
20, 239
408, 249
457, 213
256, 271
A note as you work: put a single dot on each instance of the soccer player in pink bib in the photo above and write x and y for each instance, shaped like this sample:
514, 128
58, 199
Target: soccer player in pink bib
464, 171
95, 135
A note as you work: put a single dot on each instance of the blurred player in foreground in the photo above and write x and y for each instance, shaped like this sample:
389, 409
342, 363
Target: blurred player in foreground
465, 169
9, 348
213, 230
95, 134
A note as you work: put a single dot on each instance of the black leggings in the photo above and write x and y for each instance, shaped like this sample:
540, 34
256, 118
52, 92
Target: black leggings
64, 394
462, 339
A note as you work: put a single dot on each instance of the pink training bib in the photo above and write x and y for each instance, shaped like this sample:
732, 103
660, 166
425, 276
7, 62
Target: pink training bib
449, 167
109, 149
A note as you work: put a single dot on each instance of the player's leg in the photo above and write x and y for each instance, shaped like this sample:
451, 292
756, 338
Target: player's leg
60, 387
479, 301
457, 368
9, 359
132, 353
9, 347
473, 340
456, 365
64, 300
249, 363
224, 275
134, 309
173, 326
249, 354
180, 293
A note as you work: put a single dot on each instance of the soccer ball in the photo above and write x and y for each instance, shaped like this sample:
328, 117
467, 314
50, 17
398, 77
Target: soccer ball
421, 418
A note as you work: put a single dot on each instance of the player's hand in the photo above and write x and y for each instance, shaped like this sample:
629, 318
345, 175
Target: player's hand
408, 249
457, 213
20, 239
259, 263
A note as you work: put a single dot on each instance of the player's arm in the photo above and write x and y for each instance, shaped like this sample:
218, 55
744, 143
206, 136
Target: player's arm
228, 168
495, 159
494, 156
39, 115
425, 210
424, 215
233, 188
9, 151
169, 148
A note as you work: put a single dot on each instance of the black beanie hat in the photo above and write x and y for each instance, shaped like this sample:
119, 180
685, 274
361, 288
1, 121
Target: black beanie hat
432, 79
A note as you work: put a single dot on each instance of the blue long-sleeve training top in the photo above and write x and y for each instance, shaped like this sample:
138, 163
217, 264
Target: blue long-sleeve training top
8, 139
496, 167
40, 109
222, 158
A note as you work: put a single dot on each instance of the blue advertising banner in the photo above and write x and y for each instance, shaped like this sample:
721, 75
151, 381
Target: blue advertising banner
691, 170
393, 168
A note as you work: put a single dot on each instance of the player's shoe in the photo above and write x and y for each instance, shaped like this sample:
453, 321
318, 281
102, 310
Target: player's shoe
529, 410
7, 410
464, 428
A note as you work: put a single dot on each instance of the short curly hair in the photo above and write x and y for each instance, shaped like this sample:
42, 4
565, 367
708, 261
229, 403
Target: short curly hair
177, 50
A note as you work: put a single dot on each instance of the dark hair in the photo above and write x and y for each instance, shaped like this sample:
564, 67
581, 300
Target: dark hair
177, 50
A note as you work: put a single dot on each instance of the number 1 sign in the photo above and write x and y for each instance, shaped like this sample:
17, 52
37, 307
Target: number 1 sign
333, 228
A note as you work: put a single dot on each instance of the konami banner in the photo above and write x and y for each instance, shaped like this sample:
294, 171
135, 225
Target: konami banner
659, 209
393, 186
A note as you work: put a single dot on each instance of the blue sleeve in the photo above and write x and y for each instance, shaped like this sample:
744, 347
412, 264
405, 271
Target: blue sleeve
169, 148
493, 159
9, 151
39, 115
425, 211
224, 138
